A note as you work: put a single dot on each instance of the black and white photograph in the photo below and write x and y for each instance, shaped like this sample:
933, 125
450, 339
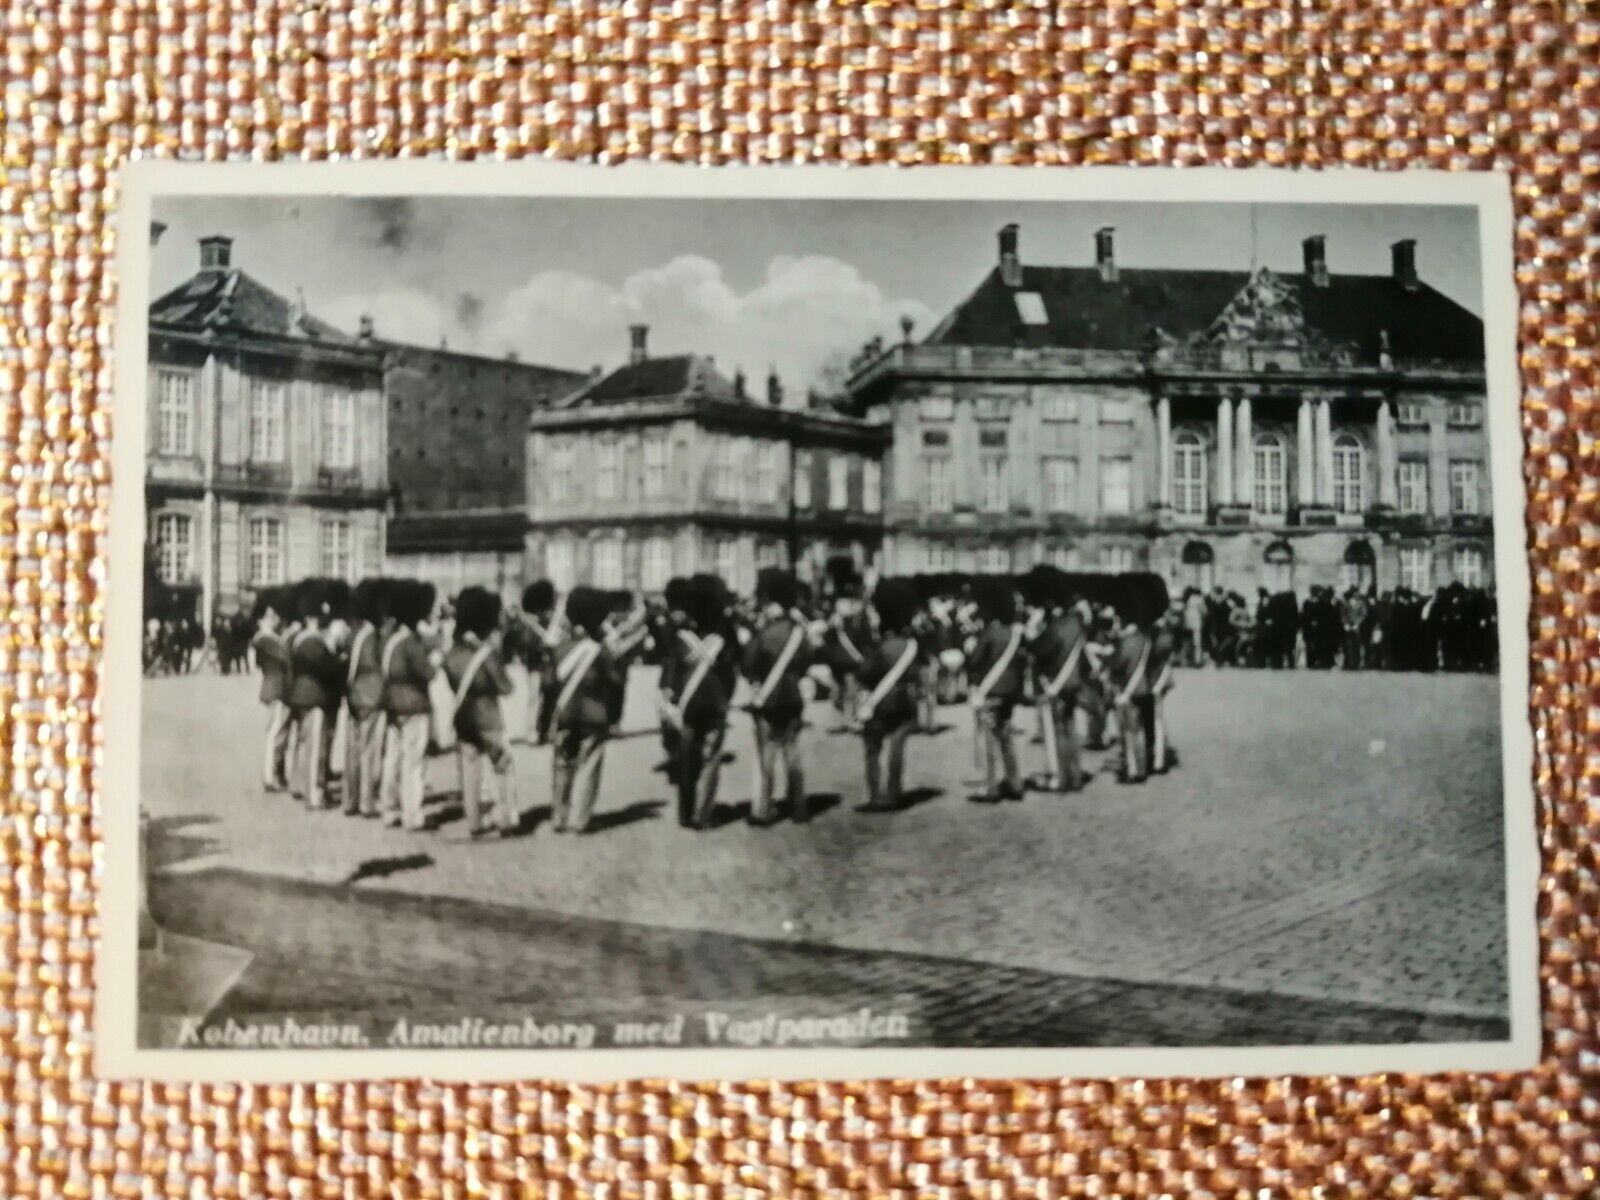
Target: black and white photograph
815, 622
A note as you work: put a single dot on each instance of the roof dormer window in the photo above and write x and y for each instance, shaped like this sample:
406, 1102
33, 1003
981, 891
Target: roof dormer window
1030, 307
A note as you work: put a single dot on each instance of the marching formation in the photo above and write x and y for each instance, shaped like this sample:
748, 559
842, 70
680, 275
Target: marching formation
361, 685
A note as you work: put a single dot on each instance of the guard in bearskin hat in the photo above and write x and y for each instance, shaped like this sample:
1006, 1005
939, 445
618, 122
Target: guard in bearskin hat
546, 627
669, 628
408, 663
316, 686
478, 679
363, 767
699, 673
1057, 644
1129, 679
996, 668
891, 681
589, 684
775, 661
847, 645
273, 611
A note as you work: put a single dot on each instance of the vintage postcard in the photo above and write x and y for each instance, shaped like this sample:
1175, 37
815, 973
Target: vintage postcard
650, 621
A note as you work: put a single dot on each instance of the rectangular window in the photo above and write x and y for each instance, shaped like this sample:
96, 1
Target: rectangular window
607, 564
562, 473
1464, 494
767, 491
174, 412
994, 560
268, 403
655, 564
1057, 404
607, 469
558, 563
1116, 485
838, 482
266, 550
1413, 486
871, 486
1465, 414
725, 477
655, 467
993, 438
728, 560
992, 481
936, 437
339, 429
803, 466
992, 406
941, 491
174, 547
1030, 307
1065, 558
939, 556
1467, 564
337, 549
1116, 560
1060, 484
1411, 413
937, 408
1416, 568
1116, 410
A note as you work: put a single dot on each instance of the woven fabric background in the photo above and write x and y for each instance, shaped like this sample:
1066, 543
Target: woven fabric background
1312, 83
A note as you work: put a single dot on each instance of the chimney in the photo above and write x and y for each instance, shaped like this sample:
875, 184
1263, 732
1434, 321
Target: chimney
774, 388
639, 335
1105, 253
1316, 257
157, 228
1404, 256
216, 252
365, 327
907, 324
739, 385
512, 356
1010, 264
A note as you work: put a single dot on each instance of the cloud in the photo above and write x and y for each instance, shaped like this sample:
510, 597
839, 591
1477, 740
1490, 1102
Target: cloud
803, 316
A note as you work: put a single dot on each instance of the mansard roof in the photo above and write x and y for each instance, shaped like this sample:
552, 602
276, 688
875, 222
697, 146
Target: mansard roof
228, 300
1077, 308
674, 377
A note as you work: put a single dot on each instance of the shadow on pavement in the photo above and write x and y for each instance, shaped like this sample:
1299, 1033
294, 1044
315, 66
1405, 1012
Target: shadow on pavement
379, 868
639, 810
174, 840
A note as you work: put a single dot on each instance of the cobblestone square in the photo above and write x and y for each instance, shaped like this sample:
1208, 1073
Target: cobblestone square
1324, 865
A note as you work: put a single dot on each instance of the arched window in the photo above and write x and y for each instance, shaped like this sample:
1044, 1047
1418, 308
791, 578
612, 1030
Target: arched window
1188, 473
1277, 568
1271, 487
1360, 566
1199, 566
1349, 472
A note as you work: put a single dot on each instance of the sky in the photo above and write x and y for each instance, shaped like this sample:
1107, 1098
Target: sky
797, 285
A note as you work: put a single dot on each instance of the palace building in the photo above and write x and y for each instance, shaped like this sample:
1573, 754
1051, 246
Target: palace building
1259, 428
265, 445
666, 467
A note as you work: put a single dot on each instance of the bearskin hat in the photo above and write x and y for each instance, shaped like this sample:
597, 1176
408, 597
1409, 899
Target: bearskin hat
335, 599
308, 600
477, 611
774, 585
539, 596
587, 609
995, 598
370, 600
706, 601
410, 600
897, 602
676, 594
274, 598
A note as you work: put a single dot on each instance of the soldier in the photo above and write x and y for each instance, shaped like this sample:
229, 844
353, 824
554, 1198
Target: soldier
1128, 673
997, 665
699, 676
1165, 646
478, 679
364, 699
272, 657
588, 686
925, 628
675, 639
316, 686
408, 665
775, 660
849, 641
545, 625
1057, 650
889, 711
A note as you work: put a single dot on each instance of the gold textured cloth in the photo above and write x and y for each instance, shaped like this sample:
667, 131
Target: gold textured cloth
1313, 83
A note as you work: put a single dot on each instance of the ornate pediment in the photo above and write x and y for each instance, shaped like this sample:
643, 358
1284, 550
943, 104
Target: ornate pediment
1265, 310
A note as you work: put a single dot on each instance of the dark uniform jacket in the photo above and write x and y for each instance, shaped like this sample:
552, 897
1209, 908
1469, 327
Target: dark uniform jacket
1126, 655
364, 671
1050, 651
988, 650
761, 655
595, 696
272, 656
406, 674
479, 713
708, 706
317, 672
850, 642
899, 703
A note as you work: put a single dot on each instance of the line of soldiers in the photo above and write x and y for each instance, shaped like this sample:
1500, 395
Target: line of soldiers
385, 671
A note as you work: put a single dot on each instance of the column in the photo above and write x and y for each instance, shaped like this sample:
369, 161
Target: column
1163, 452
1224, 451
1386, 467
1305, 460
1244, 489
1324, 439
